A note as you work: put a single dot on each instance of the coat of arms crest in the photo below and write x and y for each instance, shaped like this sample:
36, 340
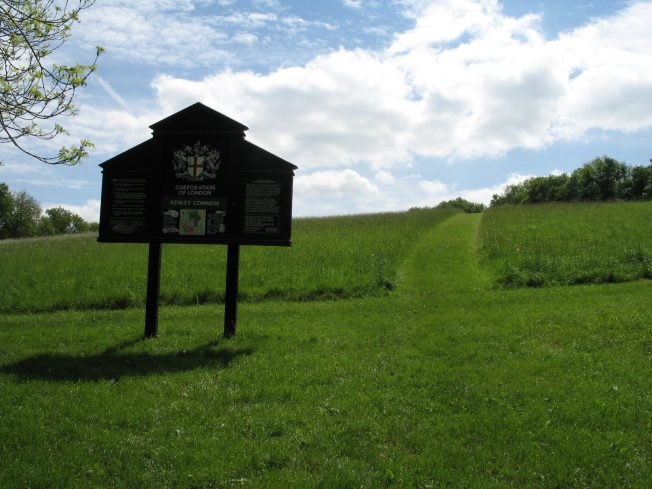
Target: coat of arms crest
196, 163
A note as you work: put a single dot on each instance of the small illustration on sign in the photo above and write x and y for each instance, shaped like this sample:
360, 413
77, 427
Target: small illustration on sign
196, 163
215, 222
171, 222
192, 222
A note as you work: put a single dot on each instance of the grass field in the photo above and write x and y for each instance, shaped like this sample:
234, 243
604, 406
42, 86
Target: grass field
348, 256
445, 382
552, 244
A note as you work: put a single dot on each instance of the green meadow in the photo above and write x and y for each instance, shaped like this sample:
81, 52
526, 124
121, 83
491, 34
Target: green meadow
426, 372
348, 256
553, 244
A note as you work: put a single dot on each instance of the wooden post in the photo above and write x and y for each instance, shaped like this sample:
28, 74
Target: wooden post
231, 299
153, 288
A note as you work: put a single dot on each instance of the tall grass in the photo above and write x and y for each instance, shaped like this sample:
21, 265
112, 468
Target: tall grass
332, 257
551, 244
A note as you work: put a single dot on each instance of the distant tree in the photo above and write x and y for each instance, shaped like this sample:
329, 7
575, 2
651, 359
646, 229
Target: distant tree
571, 188
542, 189
23, 221
647, 193
79, 225
497, 199
6, 209
513, 194
587, 184
44, 227
65, 222
609, 176
460, 203
641, 177
33, 90
560, 187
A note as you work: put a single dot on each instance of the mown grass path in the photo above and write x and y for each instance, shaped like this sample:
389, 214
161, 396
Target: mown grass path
444, 383
444, 262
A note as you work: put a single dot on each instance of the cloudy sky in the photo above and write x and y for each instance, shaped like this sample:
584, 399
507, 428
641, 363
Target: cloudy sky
382, 105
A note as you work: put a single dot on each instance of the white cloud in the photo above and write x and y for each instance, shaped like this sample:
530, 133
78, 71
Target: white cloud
267, 3
298, 24
112, 130
444, 21
385, 177
334, 192
355, 4
161, 33
245, 37
89, 211
466, 82
249, 19
434, 187
484, 195
612, 88
186, 34
336, 184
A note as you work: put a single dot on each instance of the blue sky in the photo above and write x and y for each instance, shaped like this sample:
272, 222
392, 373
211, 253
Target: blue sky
382, 105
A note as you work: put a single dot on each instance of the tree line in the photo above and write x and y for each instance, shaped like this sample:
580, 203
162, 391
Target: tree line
602, 179
21, 216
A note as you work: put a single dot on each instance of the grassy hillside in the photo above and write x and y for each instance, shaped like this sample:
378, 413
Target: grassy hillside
552, 244
447, 382
348, 256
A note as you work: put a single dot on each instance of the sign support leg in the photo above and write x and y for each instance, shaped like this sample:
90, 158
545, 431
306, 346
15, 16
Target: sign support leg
231, 299
153, 288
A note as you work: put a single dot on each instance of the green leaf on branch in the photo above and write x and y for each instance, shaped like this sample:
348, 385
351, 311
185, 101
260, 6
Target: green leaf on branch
32, 90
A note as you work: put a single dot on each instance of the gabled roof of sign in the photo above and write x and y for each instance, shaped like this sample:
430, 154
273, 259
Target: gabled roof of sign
198, 118
258, 159
255, 159
125, 160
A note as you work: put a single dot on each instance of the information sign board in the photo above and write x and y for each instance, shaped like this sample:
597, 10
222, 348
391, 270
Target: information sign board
196, 180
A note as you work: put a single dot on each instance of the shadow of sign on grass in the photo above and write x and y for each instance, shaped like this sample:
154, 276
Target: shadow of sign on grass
113, 363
